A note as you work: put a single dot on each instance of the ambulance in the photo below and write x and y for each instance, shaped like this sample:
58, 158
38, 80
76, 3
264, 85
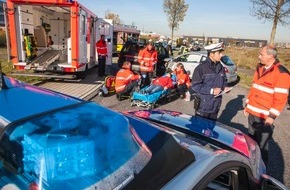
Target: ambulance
54, 37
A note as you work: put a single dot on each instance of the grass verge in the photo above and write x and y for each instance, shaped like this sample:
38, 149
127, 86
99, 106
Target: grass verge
245, 80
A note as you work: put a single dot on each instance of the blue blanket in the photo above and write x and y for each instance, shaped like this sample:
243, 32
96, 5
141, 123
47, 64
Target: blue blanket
149, 98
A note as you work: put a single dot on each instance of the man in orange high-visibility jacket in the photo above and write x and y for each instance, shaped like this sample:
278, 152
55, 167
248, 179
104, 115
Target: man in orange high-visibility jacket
101, 46
267, 98
147, 58
126, 80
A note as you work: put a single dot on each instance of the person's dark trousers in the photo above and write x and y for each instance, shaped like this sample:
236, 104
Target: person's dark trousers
211, 116
261, 133
182, 89
146, 79
101, 66
130, 88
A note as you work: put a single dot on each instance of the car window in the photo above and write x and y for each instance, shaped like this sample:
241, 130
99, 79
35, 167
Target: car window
182, 58
227, 61
222, 181
193, 58
230, 179
130, 48
125, 48
203, 58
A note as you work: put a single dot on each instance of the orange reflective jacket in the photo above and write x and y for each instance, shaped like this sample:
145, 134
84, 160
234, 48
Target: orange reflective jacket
268, 94
147, 58
124, 77
182, 78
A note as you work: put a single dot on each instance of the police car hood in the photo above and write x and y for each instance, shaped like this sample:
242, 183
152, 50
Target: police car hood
19, 100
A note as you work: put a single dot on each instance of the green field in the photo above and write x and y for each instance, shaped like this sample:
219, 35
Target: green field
7, 68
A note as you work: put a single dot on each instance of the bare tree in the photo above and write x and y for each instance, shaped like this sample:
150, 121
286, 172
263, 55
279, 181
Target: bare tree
115, 17
175, 10
277, 11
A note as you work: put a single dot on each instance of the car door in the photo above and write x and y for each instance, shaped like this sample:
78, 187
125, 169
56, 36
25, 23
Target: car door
226, 176
236, 176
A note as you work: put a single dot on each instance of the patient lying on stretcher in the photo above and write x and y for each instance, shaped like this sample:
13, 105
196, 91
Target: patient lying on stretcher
159, 84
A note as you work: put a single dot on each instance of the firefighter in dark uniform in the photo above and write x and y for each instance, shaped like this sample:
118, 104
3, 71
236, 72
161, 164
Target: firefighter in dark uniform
208, 82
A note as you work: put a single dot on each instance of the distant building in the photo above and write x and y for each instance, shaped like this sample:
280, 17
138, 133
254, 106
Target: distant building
238, 42
150, 35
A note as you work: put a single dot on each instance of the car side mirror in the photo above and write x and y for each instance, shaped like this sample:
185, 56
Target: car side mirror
270, 183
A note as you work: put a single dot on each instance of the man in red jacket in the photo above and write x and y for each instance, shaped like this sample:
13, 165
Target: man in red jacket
101, 46
126, 80
267, 98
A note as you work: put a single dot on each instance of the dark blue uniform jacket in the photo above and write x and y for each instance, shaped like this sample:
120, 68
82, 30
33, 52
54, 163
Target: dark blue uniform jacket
207, 76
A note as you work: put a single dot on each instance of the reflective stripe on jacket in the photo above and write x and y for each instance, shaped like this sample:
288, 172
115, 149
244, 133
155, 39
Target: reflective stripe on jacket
268, 94
124, 77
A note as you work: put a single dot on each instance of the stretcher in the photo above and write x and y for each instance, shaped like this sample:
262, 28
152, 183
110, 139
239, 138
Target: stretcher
149, 101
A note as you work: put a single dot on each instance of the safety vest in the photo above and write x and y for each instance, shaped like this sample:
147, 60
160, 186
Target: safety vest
101, 48
124, 77
147, 58
268, 94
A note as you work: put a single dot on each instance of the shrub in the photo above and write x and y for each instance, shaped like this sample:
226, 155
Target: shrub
2, 38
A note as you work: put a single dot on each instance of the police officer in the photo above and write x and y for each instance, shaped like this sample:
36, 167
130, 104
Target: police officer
208, 82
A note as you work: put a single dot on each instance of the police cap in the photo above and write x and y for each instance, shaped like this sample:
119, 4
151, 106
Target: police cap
215, 47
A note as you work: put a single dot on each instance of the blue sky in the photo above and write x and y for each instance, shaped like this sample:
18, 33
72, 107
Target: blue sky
222, 18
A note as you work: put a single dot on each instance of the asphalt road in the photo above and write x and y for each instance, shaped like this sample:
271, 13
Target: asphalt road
231, 114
